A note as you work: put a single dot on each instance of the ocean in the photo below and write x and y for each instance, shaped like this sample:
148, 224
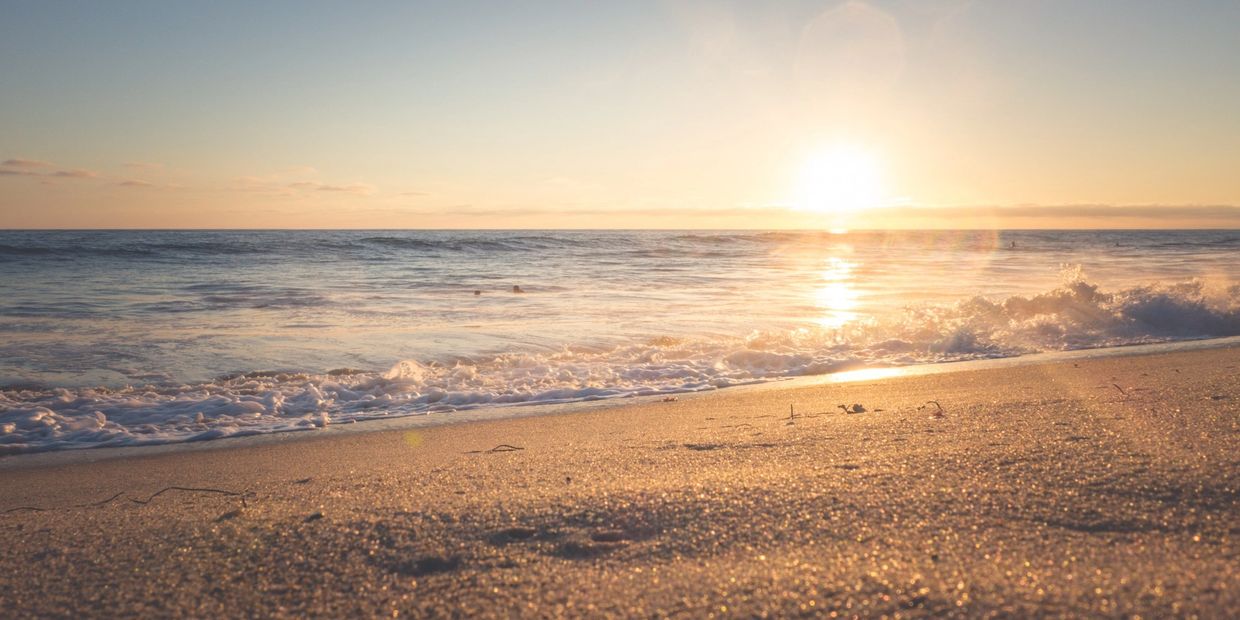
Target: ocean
137, 337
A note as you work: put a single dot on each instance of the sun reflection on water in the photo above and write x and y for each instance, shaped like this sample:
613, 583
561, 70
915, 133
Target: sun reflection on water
837, 299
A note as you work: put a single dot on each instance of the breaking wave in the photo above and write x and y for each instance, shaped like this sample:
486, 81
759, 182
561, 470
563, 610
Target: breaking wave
1074, 315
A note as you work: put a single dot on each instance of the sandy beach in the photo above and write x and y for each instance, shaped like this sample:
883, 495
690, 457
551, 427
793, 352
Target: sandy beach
825, 309
1099, 488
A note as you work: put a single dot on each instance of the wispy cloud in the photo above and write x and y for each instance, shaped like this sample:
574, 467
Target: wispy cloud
74, 174
281, 185
360, 189
26, 163
958, 216
140, 184
1103, 211
18, 167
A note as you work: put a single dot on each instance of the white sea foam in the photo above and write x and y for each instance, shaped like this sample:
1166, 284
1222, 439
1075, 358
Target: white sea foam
1072, 316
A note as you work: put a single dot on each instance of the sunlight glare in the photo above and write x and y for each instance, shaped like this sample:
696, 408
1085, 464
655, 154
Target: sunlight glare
839, 181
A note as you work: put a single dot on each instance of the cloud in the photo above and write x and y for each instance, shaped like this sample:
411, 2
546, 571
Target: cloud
352, 188
144, 165
360, 189
281, 185
140, 184
74, 174
1167, 212
26, 163
775, 216
16, 167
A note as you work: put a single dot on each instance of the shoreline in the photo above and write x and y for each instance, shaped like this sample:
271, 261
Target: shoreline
10, 462
1102, 487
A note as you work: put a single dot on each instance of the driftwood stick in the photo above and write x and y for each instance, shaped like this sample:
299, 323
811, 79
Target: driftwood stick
503, 447
242, 494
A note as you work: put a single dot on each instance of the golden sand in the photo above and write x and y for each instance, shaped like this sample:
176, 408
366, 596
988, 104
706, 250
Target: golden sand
1104, 487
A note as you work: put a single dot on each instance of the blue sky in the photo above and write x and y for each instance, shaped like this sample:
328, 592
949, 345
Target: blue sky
471, 113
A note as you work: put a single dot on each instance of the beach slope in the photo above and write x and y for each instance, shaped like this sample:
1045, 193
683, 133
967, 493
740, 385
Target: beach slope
1101, 487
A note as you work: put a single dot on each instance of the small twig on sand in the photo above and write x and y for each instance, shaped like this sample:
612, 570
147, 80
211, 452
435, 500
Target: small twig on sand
938, 413
503, 447
100, 503
242, 494
27, 508
1121, 390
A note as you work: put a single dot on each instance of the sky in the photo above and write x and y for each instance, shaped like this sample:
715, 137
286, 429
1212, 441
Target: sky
636, 114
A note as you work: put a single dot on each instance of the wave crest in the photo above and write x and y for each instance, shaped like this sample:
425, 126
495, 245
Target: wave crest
1075, 315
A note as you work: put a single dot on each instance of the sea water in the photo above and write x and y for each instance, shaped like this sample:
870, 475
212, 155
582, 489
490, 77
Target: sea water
134, 337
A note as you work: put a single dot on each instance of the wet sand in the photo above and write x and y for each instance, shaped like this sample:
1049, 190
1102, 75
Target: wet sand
1103, 487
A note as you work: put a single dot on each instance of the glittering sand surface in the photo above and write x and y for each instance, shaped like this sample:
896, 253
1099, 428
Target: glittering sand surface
1103, 487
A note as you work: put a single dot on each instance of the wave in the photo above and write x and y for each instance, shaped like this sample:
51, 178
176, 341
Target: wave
373, 246
332, 246
1074, 315
336, 245
42, 251
138, 250
479, 244
1202, 243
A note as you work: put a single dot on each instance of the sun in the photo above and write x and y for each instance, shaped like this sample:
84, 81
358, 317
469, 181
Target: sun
839, 180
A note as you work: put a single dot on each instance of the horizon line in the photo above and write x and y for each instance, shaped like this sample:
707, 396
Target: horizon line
650, 229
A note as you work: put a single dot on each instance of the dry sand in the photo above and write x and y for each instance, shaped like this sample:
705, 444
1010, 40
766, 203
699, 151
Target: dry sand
1044, 490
